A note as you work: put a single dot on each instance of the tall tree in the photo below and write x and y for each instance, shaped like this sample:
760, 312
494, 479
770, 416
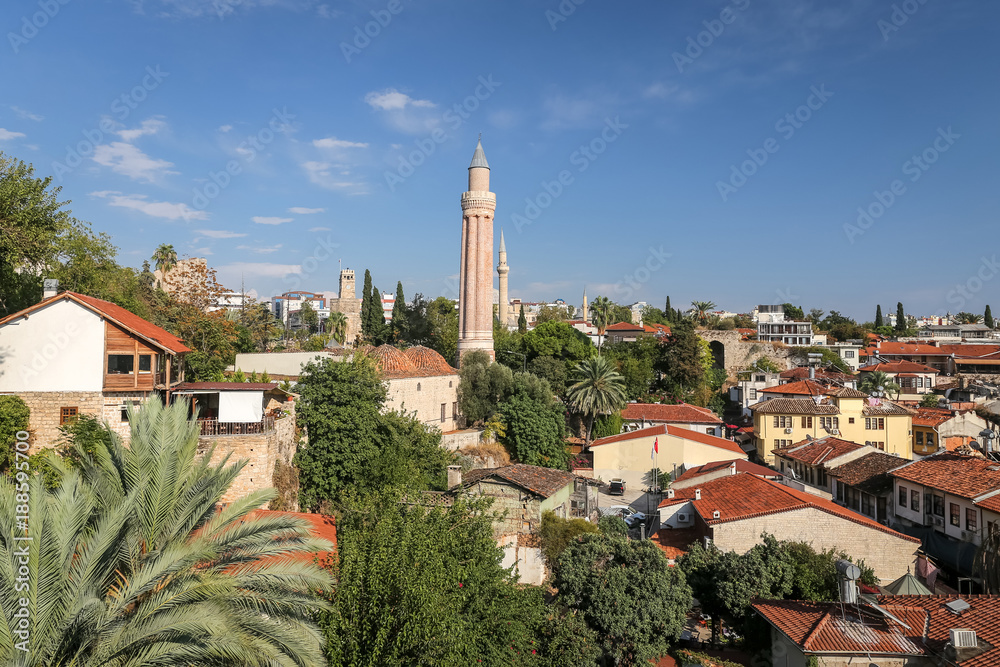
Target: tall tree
967, 318
680, 362
309, 317
534, 423
366, 306
597, 389
164, 258
900, 317
135, 560
336, 325
668, 312
522, 321
482, 386
879, 380
988, 317
879, 322
399, 324
700, 310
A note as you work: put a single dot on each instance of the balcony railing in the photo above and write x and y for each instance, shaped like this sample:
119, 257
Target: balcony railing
213, 427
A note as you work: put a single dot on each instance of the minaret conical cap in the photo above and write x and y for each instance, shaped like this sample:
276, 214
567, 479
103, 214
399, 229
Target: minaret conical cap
503, 248
479, 157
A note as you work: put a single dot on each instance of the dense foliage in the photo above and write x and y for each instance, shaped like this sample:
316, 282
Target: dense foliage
14, 416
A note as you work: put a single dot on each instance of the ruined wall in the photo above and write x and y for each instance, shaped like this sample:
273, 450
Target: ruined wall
739, 353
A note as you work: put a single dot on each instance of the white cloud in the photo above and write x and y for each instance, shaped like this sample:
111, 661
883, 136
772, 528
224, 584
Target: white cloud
148, 126
156, 209
203, 251
270, 220
391, 99
319, 229
334, 142
299, 210
320, 174
584, 111
225, 128
220, 234
263, 250
128, 160
27, 115
6, 135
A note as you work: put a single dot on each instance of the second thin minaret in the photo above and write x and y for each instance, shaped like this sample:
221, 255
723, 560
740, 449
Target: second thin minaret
502, 269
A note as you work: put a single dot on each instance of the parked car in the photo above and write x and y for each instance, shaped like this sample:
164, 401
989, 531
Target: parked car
616, 510
634, 519
616, 487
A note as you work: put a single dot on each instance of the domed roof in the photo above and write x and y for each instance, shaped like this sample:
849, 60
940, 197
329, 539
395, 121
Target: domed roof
391, 360
426, 359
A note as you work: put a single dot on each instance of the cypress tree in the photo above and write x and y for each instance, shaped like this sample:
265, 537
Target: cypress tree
522, 321
366, 306
988, 317
377, 315
878, 317
900, 317
668, 313
399, 328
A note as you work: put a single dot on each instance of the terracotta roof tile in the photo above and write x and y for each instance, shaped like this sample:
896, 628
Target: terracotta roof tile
658, 412
793, 406
397, 364
910, 349
931, 417
898, 367
541, 481
426, 359
814, 452
675, 542
970, 350
847, 392
742, 466
322, 526
623, 326
869, 472
964, 476
884, 409
805, 387
677, 432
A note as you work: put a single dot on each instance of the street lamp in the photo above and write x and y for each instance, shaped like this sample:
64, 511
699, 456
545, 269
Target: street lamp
524, 359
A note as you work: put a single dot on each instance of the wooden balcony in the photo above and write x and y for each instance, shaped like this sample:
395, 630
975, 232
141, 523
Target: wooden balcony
211, 428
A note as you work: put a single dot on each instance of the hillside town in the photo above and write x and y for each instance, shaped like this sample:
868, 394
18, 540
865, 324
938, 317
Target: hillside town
442, 431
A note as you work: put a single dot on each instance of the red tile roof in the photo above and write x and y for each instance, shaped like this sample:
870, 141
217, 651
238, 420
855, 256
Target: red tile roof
677, 432
827, 627
868, 472
815, 452
742, 466
675, 542
739, 497
623, 326
659, 329
793, 406
159, 337
959, 475
682, 413
931, 417
541, 481
802, 387
321, 526
970, 351
909, 349
898, 367
991, 502
802, 372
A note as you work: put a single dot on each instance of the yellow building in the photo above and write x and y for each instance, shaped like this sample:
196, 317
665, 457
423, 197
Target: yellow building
845, 413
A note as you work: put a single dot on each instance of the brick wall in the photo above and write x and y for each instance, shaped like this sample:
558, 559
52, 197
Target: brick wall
46, 407
261, 452
889, 556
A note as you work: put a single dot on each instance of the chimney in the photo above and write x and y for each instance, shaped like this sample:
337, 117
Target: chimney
732, 468
454, 476
670, 493
812, 372
50, 287
697, 494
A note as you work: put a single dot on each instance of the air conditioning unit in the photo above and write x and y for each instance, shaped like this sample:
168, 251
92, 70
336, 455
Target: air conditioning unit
682, 517
835, 431
938, 521
788, 431
964, 638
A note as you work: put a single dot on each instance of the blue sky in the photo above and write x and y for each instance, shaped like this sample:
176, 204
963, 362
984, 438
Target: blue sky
312, 130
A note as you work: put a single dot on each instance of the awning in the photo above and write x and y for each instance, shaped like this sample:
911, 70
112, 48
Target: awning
241, 406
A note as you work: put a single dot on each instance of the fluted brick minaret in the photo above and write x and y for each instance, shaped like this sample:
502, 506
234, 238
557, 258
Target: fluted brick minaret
475, 299
503, 308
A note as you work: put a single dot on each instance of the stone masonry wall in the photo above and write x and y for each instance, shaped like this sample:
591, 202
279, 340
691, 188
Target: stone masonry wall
889, 556
46, 408
739, 353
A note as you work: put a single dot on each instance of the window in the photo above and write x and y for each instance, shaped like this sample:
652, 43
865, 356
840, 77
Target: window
955, 514
829, 422
920, 383
782, 422
443, 406
939, 506
848, 354
850, 420
930, 439
752, 394
454, 410
67, 415
866, 504
418, 386
840, 491
807, 422
710, 430
970, 519
874, 423
145, 363
120, 364
760, 378
902, 496
920, 438
914, 500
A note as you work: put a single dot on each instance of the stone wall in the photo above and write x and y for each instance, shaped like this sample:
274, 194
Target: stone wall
889, 556
261, 451
739, 354
114, 403
424, 396
46, 409
455, 440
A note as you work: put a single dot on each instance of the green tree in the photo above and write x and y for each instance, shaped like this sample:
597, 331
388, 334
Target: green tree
900, 317
557, 533
14, 417
680, 361
627, 593
399, 328
793, 312
930, 401
534, 423
135, 560
442, 319
551, 369
411, 580
164, 258
597, 389
988, 317
967, 318
366, 307
668, 312
879, 380
352, 444
636, 362
309, 317
830, 358
553, 314
879, 321
700, 310
816, 315
607, 425
482, 386
522, 322
558, 340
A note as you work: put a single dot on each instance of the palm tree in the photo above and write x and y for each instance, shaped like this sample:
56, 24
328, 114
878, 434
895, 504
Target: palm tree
597, 389
336, 324
967, 318
700, 310
879, 380
135, 561
601, 309
164, 259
